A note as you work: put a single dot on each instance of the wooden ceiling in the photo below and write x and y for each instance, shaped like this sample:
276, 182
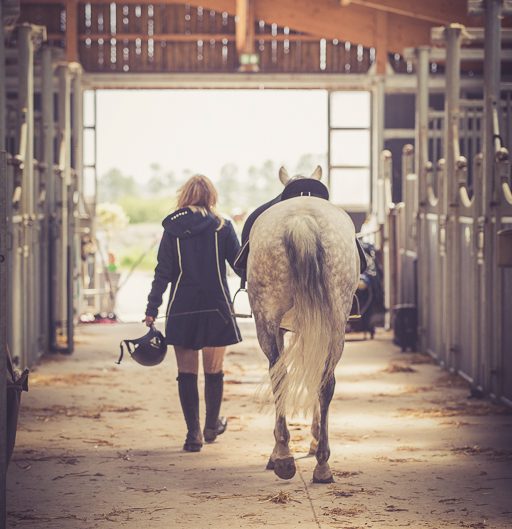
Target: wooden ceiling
386, 25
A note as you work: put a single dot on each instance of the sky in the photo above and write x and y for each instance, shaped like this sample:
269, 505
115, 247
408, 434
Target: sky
201, 130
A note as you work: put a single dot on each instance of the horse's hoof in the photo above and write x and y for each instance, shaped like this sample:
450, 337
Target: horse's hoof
270, 465
323, 480
322, 474
285, 468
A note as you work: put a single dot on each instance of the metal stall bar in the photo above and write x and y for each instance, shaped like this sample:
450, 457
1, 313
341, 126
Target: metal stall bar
409, 231
3, 83
389, 253
91, 283
24, 283
3, 325
503, 253
491, 281
77, 203
3, 280
453, 35
377, 123
64, 247
78, 123
421, 160
48, 258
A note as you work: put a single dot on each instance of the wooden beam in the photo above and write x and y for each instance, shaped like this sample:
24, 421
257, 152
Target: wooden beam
381, 22
72, 31
436, 11
245, 26
354, 23
321, 18
185, 37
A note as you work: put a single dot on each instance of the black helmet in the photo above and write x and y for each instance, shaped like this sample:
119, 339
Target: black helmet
147, 351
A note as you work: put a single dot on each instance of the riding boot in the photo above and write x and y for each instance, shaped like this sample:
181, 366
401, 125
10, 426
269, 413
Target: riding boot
213, 388
189, 398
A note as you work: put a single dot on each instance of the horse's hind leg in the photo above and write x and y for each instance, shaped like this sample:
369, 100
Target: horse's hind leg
322, 472
315, 430
281, 461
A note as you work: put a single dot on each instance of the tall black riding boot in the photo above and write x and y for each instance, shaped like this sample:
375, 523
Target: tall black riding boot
213, 388
189, 398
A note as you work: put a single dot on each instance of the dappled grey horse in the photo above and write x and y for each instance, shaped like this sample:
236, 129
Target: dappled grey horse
302, 271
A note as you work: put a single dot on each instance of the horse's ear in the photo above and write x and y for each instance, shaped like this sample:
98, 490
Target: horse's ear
283, 176
317, 173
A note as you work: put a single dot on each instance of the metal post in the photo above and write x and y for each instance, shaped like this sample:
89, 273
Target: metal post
78, 124
492, 299
77, 137
378, 101
3, 84
65, 181
26, 152
3, 281
422, 93
387, 236
49, 212
422, 68
453, 34
3, 329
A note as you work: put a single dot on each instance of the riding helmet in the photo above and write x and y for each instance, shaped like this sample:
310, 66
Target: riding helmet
149, 350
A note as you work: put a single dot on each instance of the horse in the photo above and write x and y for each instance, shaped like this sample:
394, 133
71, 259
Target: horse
302, 273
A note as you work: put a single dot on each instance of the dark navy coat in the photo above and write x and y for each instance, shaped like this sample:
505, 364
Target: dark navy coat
192, 257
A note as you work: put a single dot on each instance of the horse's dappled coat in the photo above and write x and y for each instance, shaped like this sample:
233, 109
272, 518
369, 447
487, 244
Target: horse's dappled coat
303, 258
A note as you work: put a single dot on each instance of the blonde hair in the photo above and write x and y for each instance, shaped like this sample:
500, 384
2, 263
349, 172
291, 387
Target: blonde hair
199, 194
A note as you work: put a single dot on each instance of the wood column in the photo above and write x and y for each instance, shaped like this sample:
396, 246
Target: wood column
381, 46
72, 31
245, 14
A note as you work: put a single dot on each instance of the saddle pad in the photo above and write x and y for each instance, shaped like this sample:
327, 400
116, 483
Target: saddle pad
305, 187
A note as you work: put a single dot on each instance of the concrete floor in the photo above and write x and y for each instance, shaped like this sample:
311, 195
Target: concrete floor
99, 446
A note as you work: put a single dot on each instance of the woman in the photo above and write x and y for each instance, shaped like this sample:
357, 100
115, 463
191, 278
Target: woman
192, 256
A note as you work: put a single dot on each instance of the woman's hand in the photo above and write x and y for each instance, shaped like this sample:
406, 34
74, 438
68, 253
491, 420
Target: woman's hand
149, 321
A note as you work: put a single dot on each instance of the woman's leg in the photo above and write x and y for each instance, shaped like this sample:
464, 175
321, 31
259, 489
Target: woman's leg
213, 359
187, 360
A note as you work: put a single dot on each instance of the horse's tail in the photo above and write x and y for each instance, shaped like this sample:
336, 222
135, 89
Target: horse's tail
298, 374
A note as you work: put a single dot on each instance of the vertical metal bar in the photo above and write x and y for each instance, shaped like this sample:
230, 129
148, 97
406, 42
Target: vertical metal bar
65, 181
421, 147
329, 124
49, 210
26, 113
78, 124
3, 84
3, 328
492, 301
3, 281
387, 236
423, 70
377, 124
465, 132
492, 64
435, 151
77, 134
450, 203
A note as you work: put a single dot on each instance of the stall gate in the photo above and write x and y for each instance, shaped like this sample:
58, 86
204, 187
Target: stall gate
42, 175
453, 232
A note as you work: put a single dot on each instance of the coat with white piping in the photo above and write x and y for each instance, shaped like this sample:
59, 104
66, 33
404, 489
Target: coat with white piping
192, 257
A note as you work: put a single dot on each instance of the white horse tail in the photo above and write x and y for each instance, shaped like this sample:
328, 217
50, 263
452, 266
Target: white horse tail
298, 375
